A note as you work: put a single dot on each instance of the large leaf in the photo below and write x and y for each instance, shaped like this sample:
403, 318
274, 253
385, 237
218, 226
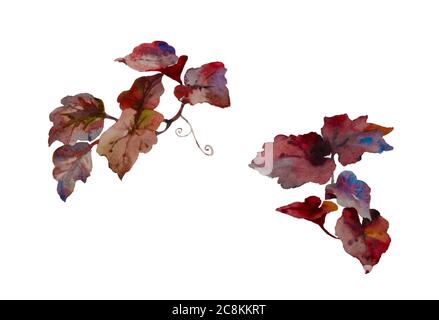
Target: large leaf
133, 133
295, 160
156, 56
153, 56
205, 84
72, 163
365, 241
145, 93
351, 138
81, 117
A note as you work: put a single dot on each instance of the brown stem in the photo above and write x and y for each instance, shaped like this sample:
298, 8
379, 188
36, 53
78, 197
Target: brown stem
94, 143
332, 177
107, 116
328, 233
174, 118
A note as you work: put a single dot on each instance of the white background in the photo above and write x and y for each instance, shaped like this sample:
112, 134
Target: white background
182, 225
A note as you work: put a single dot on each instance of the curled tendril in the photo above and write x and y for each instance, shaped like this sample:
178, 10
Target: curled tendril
207, 149
179, 133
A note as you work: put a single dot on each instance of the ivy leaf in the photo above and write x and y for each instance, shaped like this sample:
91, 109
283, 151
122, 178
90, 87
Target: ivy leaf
295, 160
81, 117
205, 84
351, 138
156, 56
145, 93
72, 163
365, 241
310, 210
133, 133
350, 192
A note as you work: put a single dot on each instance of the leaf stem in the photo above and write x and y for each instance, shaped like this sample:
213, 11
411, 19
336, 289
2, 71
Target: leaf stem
328, 233
173, 119
107, 116
94, 143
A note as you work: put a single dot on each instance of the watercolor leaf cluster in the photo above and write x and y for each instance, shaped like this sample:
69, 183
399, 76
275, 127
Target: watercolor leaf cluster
79, 121
297, 160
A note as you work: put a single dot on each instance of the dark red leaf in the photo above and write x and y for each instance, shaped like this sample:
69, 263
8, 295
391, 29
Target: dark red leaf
310, 210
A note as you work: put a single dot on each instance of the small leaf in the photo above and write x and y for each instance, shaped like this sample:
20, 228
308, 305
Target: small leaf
174, 71
365, 241
145, 93
350, 192
205, 84
351, 138
72, 163
310, 210
133, 133
296, 160
153, 56
80, 118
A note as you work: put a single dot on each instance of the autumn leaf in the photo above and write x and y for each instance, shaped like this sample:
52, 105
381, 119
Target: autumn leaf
145, 93
81, 117
133, 133
365, 241
350, 192
205, 84
312, 210
72, 163
295, 160
351, 138
156, 56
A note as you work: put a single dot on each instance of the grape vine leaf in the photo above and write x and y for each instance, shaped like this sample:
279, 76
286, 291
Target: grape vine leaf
312, 210
81, 117
134, 132
366, 241
145, 93
296, 160
156, 56
72, 163
351, 138
350, 192
205, 84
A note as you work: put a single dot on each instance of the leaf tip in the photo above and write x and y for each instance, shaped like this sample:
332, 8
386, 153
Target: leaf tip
367, 268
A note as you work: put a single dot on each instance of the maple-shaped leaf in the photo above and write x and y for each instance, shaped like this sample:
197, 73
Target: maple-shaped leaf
72, 163
312, 209
145, 93
205, 84
350, 193
156, 56
351, 138
81, 117
134, 132
296, 160
365, 241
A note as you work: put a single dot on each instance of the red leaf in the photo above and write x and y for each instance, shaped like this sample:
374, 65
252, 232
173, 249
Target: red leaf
174, 71
296, 160
205, 84
153, 56
72, 163
144, 93
310, 210
351, 138
80, 118
156, 56
365, 241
